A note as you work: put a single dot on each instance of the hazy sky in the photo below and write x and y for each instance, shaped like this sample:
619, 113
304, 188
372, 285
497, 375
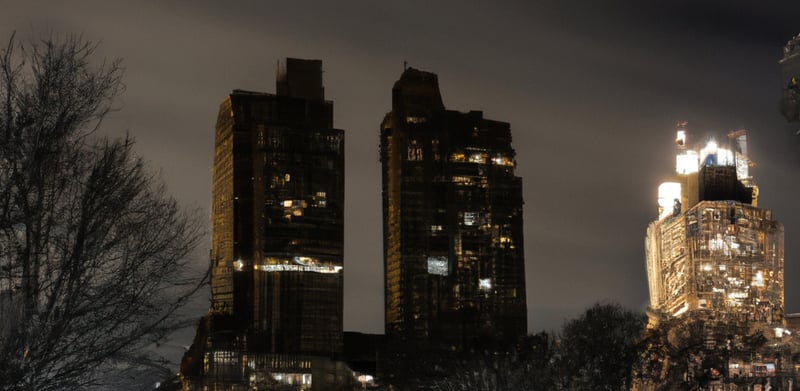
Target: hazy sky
592, 94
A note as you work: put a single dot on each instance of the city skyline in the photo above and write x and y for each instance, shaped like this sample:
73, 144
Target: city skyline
593, 95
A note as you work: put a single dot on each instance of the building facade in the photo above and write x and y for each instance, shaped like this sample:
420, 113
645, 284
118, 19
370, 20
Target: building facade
278, 235
715, 267
713, 251
452, 215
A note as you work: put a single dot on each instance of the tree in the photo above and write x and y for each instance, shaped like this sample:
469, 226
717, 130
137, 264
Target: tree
598, 349
93, 254
468, 375
670, 353
533, 369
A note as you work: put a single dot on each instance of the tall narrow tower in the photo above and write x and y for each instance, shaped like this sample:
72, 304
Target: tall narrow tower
712, 252
277, 238
452, 213
278, 210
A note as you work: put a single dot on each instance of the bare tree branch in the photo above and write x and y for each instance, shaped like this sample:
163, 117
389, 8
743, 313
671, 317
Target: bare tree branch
93, 253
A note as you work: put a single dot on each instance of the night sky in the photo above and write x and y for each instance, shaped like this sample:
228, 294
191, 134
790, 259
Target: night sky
592, 94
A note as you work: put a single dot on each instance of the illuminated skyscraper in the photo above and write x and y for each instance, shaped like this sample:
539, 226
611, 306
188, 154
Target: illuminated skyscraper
277, 250
452, 213
713, 253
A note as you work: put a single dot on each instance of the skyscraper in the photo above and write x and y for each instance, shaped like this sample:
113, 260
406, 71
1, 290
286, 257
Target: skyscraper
452, 214
277, 239
712, 252
278, 202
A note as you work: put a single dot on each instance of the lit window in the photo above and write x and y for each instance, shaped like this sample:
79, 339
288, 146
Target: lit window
462, 179
272, 268
477, 158
414, 151
223, 357
485, 284
287, 177
438, 266
470, 218
758, 279
501, 160
737, 295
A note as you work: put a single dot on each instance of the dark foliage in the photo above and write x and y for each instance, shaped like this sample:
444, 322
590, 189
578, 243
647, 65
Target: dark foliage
597, 350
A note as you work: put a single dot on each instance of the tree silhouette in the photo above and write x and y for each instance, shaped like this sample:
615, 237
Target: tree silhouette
92, 251
598, 349
534, 370
670, 353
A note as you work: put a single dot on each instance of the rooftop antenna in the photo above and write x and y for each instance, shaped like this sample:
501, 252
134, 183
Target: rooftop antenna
405, 65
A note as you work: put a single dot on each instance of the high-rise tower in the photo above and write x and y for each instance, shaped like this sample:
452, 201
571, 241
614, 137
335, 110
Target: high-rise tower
277, 238
713, 252
452, 213
278, 209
